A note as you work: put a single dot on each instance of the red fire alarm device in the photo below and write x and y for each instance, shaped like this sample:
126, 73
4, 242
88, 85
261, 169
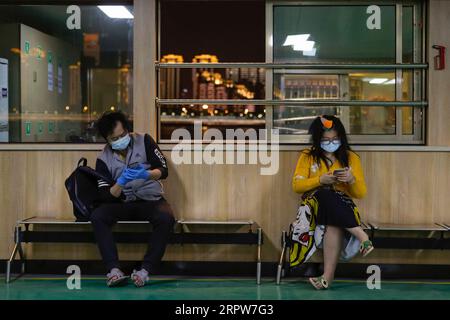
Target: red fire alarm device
439, 60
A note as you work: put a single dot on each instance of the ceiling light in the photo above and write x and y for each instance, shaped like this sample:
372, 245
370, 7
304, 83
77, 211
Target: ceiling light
299, 42
296, 39
116, 12
304, 46
310, 53
378, 80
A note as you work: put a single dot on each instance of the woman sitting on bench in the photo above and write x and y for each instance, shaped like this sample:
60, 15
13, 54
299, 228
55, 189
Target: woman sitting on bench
135, 163
329, 175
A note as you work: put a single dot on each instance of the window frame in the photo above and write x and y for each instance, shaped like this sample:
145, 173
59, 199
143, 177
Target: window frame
418, 136
419, 93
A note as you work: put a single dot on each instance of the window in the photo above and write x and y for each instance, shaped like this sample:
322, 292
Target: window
211, 32
61, 67
332, 33
359, 61
369, 99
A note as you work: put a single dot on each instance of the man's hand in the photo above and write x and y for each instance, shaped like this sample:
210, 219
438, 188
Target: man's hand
124, 178
130, 174
138, 173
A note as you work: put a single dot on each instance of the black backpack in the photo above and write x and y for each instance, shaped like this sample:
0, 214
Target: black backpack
83, 191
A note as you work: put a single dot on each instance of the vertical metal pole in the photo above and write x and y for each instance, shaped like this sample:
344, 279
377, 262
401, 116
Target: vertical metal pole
9, 262
269, 72
281, 261
398, 72
8, 271
17, 248
22, 259
18, 241
258, 263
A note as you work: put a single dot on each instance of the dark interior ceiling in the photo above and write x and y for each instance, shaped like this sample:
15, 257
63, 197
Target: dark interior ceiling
232, 30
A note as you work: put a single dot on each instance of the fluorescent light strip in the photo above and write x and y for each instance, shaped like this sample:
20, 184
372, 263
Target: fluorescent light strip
116, 12
304, 46
299, 42
310, 53
296, 39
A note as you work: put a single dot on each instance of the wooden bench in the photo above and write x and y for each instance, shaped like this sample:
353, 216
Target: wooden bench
24, 233
395, 242
380, 241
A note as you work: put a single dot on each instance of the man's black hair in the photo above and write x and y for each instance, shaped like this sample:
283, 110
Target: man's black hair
108, 120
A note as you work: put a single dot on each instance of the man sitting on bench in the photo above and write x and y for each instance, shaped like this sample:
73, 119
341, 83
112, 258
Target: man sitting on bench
135, 162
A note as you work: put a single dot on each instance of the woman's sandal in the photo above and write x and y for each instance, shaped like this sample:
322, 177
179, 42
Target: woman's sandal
366, 248
319, 283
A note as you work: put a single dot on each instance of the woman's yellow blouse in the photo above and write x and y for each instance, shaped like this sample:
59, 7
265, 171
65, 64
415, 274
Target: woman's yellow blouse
307, 175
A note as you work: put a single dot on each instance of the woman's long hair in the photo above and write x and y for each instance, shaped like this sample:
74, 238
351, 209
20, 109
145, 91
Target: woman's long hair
317, 129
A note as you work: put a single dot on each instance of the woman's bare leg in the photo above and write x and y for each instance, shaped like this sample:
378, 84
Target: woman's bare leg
332, 243
359, 233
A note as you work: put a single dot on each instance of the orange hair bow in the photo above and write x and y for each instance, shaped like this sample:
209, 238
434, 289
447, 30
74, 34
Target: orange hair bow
326, 123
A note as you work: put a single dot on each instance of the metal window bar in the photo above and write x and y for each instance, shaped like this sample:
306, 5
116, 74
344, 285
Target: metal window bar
398, 71
293, 102
335, 66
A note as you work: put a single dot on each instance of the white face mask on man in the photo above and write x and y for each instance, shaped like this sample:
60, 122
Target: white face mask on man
122, 143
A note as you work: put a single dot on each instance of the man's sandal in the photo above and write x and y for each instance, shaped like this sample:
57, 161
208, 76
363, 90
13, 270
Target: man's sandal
319, 283
116, 278
140, 278
366, 248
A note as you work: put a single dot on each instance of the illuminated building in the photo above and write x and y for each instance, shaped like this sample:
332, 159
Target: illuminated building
170, 78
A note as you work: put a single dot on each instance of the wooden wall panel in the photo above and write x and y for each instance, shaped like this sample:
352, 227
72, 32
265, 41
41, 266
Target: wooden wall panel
404, 187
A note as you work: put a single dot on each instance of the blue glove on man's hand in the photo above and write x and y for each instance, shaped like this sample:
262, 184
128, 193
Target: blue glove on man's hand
124, 178
130, 174
138, 173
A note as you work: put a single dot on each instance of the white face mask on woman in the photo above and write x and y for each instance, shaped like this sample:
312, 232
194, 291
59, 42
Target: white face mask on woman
330, 146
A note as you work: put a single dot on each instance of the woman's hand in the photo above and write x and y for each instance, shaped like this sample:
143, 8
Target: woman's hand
345, 176
327, 178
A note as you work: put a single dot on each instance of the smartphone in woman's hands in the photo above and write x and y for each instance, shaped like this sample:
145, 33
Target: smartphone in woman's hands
339, 171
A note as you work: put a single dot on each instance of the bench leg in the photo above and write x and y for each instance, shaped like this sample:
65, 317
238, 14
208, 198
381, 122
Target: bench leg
258, 262
9, 262
17, 248
281, 262
22, 258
